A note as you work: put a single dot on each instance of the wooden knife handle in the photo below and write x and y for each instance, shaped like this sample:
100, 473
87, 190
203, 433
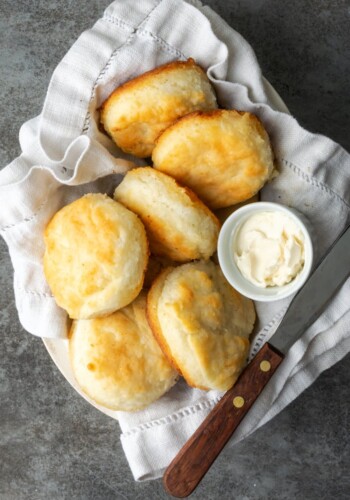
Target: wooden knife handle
197, 455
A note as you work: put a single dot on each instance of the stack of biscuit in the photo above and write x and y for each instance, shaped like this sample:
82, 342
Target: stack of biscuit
135, 273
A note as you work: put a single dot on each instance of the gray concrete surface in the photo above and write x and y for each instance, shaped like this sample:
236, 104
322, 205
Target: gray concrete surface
52, 443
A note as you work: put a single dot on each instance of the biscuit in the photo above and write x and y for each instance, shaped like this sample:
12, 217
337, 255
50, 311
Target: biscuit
140, 109
95, 257
201, 323
116, 360
179, 226
224, 156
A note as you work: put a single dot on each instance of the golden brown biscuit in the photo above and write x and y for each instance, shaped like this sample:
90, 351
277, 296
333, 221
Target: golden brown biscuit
179, 226
138, 111
201, 323
117, 361
224, 155
95, 257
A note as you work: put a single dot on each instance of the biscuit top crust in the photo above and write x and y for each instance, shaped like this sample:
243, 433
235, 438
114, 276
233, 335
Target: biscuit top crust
147, 78
95, 257
202, 323
179, 226
117, 361
224, 156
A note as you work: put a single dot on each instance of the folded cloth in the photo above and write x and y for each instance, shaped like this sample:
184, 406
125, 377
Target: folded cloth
64, 154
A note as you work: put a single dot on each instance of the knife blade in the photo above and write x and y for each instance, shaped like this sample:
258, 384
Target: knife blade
197, 455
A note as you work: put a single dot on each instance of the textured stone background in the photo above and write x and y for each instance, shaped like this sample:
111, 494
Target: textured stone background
52, 443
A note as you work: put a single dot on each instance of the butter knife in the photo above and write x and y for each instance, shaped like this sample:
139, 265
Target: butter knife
197, 455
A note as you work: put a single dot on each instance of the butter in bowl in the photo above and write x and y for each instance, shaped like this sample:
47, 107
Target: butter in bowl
265, 251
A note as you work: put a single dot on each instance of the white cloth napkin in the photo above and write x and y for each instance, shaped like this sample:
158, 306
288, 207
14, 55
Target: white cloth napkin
65, 155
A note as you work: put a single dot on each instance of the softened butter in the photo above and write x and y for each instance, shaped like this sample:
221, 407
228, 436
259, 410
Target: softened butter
269, 249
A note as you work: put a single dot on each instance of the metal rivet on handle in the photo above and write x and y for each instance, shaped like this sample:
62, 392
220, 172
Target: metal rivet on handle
265, 366
238, 402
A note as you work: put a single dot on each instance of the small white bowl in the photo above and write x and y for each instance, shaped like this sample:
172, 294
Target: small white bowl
230, 269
